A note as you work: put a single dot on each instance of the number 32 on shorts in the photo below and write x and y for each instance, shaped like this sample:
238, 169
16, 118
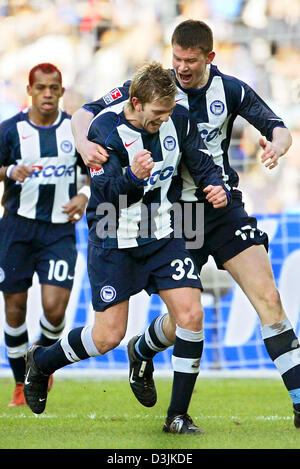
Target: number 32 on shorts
189, 270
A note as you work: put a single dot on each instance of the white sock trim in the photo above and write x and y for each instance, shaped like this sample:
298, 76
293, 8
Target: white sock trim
190, 336
186, 365
15, 331
271, 330
88, 343
50, 331
287, 361
151, 344
68, 351
17, 352
158, 328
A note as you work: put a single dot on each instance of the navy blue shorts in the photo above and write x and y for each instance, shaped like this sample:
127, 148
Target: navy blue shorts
117, 274
227, 235
28, 246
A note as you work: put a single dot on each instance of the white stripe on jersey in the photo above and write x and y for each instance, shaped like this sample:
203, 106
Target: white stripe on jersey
29, 142
212, 132
128, 222
215, 93
243, 94
216, 125
182, 98
30, 155
63, 134
170, 158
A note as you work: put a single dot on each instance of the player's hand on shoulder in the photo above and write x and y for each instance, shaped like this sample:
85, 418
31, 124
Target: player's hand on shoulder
93, 154
216, 195
20, 172
142, 164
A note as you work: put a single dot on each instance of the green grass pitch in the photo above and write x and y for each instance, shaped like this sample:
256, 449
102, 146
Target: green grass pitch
99, 414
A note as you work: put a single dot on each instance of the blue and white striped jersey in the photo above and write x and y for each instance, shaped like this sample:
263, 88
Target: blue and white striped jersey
51, 150
215, 107
145, 214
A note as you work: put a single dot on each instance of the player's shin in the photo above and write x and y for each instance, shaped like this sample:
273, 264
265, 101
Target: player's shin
153, 340
186, 357
16, 341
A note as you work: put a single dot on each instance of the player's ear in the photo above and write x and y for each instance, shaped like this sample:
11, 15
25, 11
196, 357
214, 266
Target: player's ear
210, 57
62, 91
28, 89
137, 106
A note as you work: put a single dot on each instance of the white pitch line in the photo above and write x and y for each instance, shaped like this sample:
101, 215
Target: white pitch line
94, 416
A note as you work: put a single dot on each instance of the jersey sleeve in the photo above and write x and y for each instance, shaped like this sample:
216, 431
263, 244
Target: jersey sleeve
114, 178
5, 154
115, 96
258, 113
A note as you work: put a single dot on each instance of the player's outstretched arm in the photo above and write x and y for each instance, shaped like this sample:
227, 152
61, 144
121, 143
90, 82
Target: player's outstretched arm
93, 154
278, 147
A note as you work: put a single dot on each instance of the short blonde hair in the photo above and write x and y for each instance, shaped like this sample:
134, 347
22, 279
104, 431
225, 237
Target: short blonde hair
152, 82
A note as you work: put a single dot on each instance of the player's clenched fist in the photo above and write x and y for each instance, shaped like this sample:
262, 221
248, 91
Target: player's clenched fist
142, 164
216, 196
20, 172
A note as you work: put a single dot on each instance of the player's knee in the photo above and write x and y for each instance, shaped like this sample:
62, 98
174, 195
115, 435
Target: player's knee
192, 318
107, 343
54, 311
273, 305
55, 317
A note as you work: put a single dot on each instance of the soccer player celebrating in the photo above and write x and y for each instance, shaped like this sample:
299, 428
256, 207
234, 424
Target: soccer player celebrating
37, 233
134, 246
231, 236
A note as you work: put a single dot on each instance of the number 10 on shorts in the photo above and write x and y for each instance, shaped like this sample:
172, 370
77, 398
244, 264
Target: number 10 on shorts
58, 270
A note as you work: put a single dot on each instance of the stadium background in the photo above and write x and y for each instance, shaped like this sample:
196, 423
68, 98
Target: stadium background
98, 45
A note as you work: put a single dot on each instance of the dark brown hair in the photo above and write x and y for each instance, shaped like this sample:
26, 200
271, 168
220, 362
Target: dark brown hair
193, 33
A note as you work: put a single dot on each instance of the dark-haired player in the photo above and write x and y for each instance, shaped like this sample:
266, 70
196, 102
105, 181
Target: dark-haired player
37, 233
231, 236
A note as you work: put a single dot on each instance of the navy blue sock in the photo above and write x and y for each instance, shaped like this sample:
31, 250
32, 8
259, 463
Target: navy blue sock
16, 341
77, 345
283, 347
153, 340
186, 357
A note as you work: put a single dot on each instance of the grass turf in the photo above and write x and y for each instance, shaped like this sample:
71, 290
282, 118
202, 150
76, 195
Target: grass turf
89, 414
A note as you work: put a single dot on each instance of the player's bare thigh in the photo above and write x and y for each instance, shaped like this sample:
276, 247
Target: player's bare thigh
252, 270
185, 309
110, 326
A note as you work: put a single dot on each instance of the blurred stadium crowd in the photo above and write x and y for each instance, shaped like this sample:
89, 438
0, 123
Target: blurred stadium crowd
98, 44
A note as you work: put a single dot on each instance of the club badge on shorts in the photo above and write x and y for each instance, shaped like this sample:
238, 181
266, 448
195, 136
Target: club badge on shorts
108, 293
